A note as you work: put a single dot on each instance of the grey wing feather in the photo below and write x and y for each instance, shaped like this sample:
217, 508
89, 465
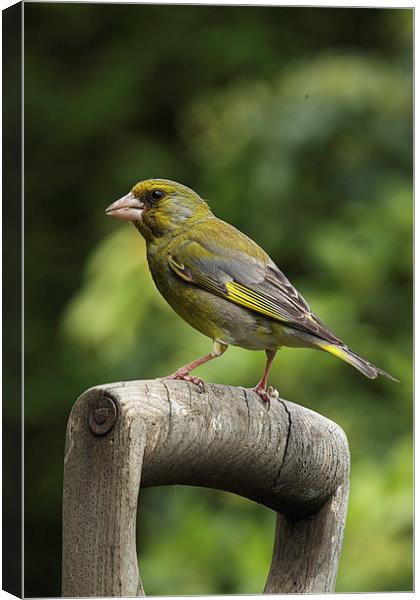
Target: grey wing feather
215, 264
276, 285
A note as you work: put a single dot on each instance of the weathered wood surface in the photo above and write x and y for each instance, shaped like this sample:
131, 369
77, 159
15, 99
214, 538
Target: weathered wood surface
145, 433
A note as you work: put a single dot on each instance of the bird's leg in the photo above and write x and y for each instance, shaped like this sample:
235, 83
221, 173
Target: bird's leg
184, 372
261, 387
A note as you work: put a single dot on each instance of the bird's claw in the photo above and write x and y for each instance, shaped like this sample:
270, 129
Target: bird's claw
185, 377
263, 394
266, 395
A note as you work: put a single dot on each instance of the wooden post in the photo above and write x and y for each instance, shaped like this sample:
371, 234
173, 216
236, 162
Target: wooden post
145, 433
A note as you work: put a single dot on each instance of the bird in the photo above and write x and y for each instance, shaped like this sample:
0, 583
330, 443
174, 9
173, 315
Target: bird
222, 283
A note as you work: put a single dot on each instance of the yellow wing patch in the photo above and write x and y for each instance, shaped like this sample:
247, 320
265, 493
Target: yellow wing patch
233, 291
249, 299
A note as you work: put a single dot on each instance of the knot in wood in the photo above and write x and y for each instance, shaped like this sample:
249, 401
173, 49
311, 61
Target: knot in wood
102, 414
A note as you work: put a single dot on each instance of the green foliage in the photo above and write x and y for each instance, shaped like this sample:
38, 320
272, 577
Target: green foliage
377, 553
222, 546
297, 129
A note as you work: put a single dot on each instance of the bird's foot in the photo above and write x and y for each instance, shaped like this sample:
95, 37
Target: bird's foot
266, 395
263, 394
180, 375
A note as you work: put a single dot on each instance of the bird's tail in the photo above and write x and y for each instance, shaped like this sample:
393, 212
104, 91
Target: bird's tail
361, 364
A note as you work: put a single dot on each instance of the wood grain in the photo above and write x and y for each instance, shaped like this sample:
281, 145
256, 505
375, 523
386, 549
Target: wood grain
287, 457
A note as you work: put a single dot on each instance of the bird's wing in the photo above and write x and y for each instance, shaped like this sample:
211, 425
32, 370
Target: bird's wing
245, 276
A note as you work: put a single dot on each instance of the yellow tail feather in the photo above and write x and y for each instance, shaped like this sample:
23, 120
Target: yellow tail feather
361, 364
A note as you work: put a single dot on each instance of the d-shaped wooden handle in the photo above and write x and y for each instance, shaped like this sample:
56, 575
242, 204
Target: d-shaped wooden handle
124, 436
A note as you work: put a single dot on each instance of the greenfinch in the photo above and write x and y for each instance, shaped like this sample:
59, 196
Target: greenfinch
221, 282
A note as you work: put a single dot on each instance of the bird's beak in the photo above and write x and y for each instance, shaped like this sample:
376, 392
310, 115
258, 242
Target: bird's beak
127, 208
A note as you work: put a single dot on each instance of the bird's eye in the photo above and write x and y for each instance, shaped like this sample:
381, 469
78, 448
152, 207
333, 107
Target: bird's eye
157, 194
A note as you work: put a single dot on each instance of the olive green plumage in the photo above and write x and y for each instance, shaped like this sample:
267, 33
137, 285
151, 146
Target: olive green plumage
220, 281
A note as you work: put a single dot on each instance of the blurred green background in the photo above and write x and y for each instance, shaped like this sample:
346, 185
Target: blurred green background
296, 125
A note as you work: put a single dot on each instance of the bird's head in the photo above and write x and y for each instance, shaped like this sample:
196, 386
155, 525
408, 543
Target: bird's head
159, 207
